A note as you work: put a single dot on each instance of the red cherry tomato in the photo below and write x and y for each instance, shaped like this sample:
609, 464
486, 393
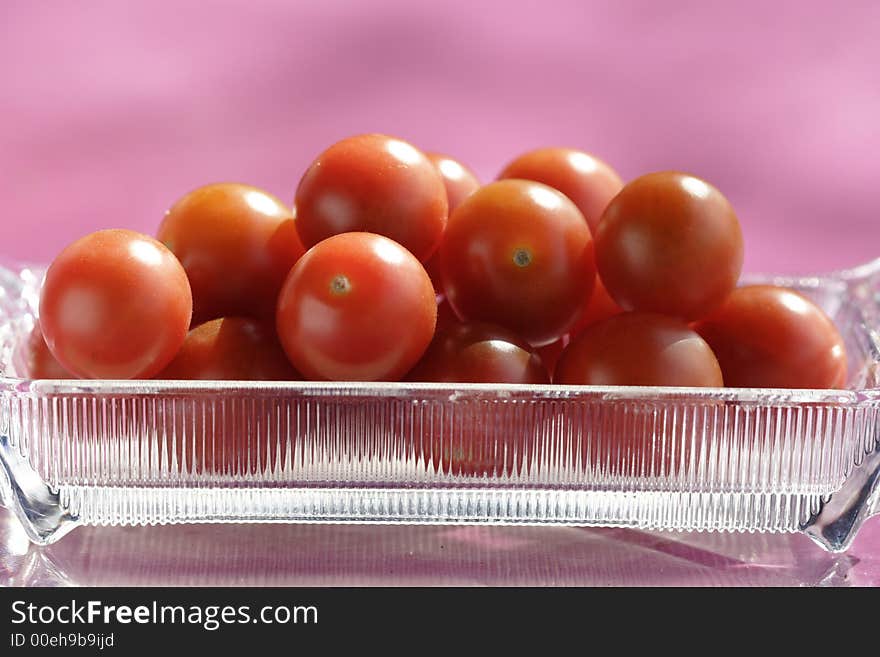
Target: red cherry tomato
237, 243
356, 307
772, 337
41, 363
639, 349
550, 353
433, 269
231, 348
237, 438
669, 243
518, 254
479, 353
445, 315
588, 181
116, 305
463, 443
377, 184
459, 181
599, 307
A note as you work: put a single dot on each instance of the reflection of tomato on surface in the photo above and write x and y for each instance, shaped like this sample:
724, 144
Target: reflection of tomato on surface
518, 254
236, 243
772, 337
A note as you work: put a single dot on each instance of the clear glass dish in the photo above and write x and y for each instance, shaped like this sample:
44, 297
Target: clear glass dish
153, 452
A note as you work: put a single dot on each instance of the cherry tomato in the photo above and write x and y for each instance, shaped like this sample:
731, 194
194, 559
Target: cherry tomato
459, 181
237, 243
646, 441
234, 436
445, 315
550, 353
377, 184
518, 254
433, 269
772, 337
588, 181
466, 443
116, 305
231, 348
479, 353
356, 307
639, 349
41, 364
599, 307
669, 243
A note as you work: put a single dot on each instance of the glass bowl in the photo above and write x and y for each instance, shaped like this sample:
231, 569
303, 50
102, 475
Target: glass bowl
76, 452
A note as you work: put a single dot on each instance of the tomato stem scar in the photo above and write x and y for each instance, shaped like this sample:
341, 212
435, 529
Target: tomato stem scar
522, 257
340, 285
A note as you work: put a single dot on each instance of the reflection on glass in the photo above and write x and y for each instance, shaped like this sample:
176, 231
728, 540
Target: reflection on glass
328, 555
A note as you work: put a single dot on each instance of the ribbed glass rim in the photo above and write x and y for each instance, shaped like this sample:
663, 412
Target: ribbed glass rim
768, 396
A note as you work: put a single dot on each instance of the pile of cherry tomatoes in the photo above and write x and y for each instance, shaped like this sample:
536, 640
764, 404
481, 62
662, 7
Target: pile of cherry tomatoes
394, 264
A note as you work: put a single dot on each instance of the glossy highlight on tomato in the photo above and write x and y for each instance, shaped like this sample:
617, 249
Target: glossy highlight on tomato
669, 243
639, 349
589, 182
356, 307
231, 348
377, 184
772, 337
479, 353
518, 254
459, 181
237, 244
115, 304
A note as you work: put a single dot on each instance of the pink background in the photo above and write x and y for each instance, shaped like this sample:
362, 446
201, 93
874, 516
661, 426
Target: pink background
111, 110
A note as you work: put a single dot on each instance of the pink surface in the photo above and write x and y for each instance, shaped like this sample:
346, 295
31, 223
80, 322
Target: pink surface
111, 110
431, 555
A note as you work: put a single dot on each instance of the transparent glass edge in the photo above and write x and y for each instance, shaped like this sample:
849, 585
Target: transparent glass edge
848, 507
